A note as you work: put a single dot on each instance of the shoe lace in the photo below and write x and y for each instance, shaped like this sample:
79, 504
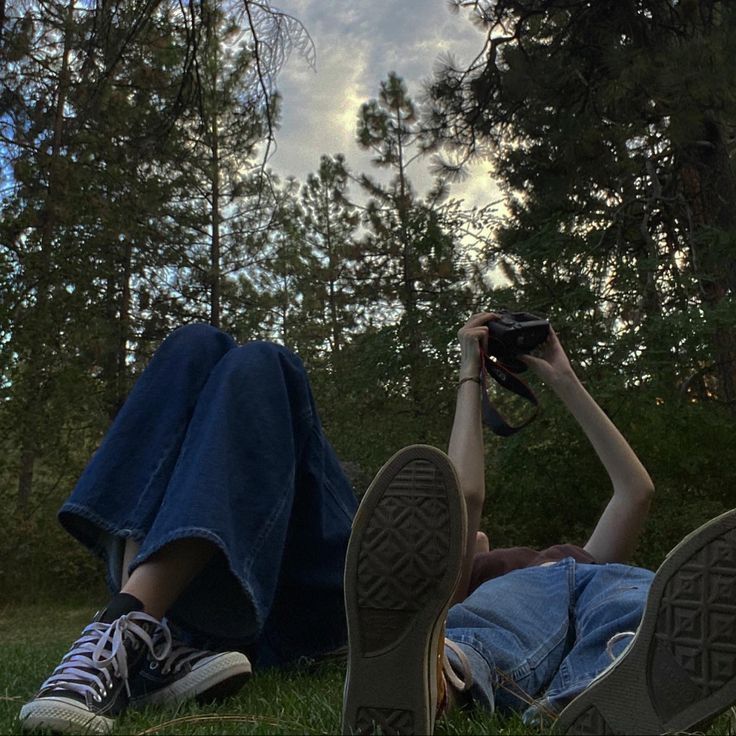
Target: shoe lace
613, 640
461, 685
100, 654
180, 655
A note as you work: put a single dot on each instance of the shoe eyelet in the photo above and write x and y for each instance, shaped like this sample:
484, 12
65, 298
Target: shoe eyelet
153, 665
97, 698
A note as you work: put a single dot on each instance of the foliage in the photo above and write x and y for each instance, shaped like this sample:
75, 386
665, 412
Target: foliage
132, 202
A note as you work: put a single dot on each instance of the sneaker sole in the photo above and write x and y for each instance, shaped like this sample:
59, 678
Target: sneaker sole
680, 669
402, 566
61, 715
213, 679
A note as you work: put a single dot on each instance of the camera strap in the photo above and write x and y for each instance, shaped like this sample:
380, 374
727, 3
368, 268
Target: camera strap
511, 382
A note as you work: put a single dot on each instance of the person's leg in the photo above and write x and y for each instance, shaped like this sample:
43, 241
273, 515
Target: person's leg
89, 687
226, 471
254, 474
213, 443
312, 568
679, 671
282, 527
121, 489
515, 631
608, 603
159, 582
183, 672
402, 568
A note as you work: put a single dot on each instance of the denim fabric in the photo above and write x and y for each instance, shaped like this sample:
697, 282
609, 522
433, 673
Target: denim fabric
224, 443
537, 636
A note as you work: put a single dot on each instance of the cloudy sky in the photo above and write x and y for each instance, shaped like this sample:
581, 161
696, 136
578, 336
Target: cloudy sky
358, 43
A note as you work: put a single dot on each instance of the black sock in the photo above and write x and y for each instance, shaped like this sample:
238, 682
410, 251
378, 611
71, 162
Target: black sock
120, 604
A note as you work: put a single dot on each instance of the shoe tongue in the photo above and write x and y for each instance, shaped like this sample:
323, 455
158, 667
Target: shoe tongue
121, 604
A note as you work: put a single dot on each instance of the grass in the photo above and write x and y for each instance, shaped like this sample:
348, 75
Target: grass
296, 701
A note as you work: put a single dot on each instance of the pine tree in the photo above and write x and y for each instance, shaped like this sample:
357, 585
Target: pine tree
330, 226
610, 126
225, 129
411, 260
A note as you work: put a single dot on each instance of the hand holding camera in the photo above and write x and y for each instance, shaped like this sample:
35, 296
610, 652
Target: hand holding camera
550, 363
498, 344
513, 334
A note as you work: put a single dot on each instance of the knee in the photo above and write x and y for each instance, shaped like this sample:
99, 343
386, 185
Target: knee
262, 351
198, 339
264, 358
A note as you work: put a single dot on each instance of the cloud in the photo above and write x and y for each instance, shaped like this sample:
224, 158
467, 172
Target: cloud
358, 44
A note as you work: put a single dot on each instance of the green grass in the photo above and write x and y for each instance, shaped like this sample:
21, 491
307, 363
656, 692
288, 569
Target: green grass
297, 701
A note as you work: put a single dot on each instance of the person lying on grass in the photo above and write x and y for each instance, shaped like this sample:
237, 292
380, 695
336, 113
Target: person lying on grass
223, 517
567, 633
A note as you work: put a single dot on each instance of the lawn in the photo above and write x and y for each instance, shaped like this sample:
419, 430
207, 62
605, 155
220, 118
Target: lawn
297, 701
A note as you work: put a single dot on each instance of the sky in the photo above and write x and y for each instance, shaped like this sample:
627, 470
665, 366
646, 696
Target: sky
358, 43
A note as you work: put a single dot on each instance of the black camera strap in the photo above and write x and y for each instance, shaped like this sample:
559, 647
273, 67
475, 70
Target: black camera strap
511, 382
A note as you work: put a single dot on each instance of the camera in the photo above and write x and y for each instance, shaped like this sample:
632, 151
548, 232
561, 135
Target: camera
513, 334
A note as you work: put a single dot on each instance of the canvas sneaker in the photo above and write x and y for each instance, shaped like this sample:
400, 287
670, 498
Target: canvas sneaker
402, 567
679, 670
187, 672
89, 688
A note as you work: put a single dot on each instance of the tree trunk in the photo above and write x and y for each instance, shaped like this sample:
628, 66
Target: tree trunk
215, 244
119, 387
710, 187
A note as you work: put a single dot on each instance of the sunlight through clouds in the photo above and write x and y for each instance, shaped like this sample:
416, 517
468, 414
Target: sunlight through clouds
358, 44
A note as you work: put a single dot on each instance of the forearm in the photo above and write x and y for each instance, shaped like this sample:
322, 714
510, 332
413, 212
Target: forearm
617, 531
466, 443
628, 476
466, 440
467, 454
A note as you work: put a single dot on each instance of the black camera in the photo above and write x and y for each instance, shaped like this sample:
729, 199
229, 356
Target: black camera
513, 334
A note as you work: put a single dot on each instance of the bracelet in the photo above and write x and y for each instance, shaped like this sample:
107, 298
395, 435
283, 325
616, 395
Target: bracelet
469, 378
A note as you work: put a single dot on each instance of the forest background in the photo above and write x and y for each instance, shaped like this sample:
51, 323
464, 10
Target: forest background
135, 197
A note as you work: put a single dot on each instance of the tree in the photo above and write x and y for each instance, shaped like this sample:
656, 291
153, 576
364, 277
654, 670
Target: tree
609, 124
411, 259
97, 216
225, 129
330, 225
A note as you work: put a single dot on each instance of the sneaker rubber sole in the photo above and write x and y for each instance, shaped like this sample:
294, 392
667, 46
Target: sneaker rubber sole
402, 566
679, 671
62, 715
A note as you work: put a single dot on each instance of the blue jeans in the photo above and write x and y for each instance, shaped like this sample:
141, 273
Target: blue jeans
223, 443
536, 637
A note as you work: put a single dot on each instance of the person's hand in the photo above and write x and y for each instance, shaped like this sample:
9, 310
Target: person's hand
473, 336
550, 363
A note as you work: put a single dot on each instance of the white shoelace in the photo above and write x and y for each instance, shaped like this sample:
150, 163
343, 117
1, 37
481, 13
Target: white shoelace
460, 684
616, 638
178, 656
99, 654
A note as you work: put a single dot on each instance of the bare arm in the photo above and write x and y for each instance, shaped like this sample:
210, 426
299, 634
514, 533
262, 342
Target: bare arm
466, 440
617, 531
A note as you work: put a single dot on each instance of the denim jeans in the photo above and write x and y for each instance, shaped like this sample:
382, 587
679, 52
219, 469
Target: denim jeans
224, 443
536, 637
